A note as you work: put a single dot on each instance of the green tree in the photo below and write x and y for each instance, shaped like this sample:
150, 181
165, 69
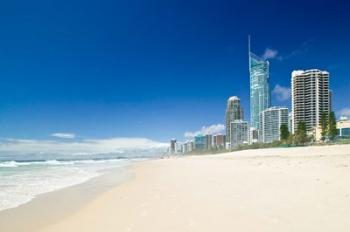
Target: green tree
324, 125
290, 139
332, 126
300, 136
284, 132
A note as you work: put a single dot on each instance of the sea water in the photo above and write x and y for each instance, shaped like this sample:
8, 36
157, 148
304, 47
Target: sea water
22, 179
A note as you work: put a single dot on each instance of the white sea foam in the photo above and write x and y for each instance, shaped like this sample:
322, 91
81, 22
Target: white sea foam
22, 181
9, 164
32, 167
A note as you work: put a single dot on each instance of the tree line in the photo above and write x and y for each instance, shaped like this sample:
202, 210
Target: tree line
300, 137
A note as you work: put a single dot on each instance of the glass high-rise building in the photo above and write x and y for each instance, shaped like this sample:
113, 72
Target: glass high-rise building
260, 97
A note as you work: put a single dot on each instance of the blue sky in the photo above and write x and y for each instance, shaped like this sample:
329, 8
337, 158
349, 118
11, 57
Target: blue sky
155, 69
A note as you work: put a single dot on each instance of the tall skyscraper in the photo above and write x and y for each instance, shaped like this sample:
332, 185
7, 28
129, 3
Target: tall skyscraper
260, 98
310, 98
271, 120
238, 133
234, 111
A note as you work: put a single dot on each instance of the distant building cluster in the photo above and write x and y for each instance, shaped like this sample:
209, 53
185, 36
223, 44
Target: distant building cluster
200, 143
311, 97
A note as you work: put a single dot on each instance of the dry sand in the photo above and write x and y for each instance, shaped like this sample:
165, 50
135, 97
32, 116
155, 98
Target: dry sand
294, 189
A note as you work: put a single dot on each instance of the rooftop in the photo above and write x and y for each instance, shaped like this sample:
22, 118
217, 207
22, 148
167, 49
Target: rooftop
234, 98
302, 72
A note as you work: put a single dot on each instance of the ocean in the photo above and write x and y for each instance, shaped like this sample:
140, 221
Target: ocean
22, 179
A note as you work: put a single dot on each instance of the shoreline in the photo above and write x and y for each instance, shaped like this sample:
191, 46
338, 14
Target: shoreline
277, 189
66, 201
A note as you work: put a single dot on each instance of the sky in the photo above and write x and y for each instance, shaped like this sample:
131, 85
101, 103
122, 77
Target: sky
80, 70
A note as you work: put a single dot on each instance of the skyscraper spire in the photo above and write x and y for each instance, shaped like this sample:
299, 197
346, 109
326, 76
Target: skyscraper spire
248, 44
249, 52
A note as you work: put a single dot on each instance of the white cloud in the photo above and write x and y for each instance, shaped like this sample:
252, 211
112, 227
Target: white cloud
213, 129
270, 53
281, 93
88, 147
63, 135
344, 112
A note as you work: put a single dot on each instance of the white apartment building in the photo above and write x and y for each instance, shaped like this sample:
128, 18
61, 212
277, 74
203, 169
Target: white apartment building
238, 133
310, 97
271, 120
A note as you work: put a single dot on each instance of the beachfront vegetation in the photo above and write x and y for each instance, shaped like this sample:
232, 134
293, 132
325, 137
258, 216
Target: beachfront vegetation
328, 126
300, 136
284, 132
324, 125
332, 126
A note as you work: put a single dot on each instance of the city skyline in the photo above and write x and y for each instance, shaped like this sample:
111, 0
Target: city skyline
102, 73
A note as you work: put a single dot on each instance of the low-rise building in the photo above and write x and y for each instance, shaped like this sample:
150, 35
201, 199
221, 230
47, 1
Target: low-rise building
200, 143
209, 141
343, 126
219, 142
253, 135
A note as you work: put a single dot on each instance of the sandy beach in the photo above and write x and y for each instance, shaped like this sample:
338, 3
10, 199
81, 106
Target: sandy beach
284, 189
